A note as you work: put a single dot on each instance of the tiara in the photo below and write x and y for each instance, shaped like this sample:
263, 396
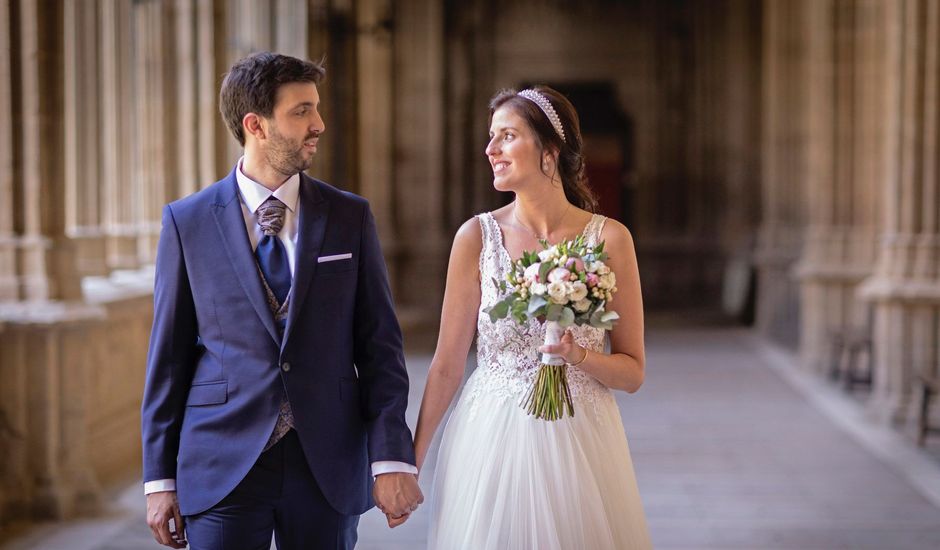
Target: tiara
546, 106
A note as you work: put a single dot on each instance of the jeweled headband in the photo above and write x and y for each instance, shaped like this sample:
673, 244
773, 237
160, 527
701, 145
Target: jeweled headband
546, 106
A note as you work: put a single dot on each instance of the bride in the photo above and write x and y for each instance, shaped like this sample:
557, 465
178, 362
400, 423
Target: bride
504, 479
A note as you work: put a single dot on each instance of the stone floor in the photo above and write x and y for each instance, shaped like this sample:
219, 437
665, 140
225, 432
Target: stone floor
733, 448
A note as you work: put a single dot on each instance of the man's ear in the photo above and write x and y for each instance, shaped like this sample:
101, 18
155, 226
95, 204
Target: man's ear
254, 125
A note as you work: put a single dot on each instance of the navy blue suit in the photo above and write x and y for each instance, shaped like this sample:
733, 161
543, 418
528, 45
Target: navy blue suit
217, 369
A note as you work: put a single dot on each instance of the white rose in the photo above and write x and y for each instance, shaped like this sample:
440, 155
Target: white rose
546, 254
602, 268
538, 289
556, 291
578, 291
582, 305
607, 281
532, 272
558, 275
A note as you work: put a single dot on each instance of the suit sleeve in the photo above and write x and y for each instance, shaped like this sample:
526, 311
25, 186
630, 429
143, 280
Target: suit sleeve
170, 360
379, 356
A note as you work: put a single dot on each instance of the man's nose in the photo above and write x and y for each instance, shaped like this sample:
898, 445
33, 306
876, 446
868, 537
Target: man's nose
318, 126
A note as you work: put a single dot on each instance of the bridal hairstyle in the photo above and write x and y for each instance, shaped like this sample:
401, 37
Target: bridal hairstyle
251, 86
570, 158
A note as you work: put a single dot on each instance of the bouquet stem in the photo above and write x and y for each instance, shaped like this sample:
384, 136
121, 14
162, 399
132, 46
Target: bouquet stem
550, 397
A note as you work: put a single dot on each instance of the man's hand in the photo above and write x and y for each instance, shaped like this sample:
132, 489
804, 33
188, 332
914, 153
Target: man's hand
397, 494
161, 508
395, 522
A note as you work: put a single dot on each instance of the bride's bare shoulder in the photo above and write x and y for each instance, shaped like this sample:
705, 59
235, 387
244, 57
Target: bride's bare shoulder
469, 236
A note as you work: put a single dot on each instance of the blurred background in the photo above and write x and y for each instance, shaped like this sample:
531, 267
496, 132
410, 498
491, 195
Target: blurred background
777, 161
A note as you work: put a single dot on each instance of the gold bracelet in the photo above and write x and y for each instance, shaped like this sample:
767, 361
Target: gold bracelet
582, 359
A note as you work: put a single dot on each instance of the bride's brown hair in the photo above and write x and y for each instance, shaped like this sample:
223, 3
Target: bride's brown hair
570, 157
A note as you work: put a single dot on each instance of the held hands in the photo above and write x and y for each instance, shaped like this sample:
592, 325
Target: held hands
397, 494
162, 507
572, 353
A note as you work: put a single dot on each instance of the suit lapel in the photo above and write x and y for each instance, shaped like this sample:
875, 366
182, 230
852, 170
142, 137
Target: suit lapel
314, 211
231, 223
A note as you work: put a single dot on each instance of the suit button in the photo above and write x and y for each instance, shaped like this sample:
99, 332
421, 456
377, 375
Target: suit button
285, 366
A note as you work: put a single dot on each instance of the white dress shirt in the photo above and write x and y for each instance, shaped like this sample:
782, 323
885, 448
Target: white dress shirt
252, 195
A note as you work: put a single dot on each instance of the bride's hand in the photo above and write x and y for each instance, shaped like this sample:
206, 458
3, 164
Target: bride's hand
567, 348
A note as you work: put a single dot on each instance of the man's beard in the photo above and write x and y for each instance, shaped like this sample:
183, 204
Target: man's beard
286, 155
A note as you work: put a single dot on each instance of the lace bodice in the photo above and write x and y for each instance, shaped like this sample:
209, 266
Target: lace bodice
507, 353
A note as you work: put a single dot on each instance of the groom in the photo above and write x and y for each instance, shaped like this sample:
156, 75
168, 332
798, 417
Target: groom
276, 387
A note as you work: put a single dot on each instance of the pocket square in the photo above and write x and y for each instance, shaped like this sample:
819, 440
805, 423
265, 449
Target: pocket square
334, 257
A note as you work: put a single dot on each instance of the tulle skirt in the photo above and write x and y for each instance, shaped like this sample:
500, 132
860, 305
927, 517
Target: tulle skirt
507, 481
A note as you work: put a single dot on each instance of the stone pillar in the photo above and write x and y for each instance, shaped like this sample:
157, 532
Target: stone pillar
155, 173
47, 269
376, 111
119, 133
784, 144
291, 25
905, 288
211, 63
9, 287
184, 108
418, 138
84, 193
845, 90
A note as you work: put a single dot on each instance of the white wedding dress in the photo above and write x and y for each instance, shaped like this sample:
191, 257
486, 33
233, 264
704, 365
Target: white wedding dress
505, 480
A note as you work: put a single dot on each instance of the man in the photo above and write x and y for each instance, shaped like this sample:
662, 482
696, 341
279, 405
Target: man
275, 378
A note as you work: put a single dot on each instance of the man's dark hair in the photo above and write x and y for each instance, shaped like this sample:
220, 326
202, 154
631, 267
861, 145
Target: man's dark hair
252, 83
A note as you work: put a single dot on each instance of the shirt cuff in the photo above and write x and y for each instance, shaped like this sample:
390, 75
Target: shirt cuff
390, 466
159, 485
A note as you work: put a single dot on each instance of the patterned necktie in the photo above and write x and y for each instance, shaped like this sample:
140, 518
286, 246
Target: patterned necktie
271, 254
272, 260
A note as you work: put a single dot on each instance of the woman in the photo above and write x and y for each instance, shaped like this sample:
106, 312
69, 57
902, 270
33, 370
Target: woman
504, 479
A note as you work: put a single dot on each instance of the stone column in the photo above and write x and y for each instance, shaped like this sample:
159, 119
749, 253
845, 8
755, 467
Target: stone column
155, 172
211, 64
119, 132
376, 111
784, 147
291, 25
183, 69
48, 269
84, 193
418, 138
9, 287
845, 86
905, 287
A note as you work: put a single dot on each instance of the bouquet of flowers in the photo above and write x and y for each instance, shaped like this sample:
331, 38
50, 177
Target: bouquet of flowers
563, 285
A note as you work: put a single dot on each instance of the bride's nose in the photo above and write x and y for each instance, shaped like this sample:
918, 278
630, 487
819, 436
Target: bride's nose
492, 148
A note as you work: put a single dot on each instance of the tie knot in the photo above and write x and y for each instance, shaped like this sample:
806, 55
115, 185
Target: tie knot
271, 216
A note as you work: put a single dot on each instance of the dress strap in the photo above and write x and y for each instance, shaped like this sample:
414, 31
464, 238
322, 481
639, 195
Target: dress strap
594, 229
489, 251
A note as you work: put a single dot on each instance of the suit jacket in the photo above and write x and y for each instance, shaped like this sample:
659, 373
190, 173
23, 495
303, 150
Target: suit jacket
217, 369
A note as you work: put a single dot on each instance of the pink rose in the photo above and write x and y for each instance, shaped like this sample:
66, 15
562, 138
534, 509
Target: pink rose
592, 280
577, 264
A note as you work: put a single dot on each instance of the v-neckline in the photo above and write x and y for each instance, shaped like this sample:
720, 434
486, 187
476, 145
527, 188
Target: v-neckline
500, 239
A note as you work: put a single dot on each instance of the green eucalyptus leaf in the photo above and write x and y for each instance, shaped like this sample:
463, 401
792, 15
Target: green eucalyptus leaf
499, 310
553, 312
535, 302
543, 272
567, 317
609, 316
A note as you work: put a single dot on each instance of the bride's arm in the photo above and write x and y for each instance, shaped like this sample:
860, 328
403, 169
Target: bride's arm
623, 368
458, 324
